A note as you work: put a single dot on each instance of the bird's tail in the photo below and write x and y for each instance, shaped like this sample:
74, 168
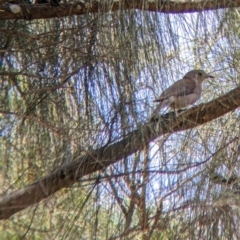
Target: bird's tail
160, 106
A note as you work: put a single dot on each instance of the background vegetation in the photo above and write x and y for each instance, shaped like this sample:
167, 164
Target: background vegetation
72, 86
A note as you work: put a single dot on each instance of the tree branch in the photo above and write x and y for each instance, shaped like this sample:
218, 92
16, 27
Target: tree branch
44, 11
101, 158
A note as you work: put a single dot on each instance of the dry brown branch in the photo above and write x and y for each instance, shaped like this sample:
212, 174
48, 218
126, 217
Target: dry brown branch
44, 11
101, 158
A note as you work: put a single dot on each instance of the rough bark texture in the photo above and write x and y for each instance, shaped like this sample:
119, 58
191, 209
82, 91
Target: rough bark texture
105, 156
43, 11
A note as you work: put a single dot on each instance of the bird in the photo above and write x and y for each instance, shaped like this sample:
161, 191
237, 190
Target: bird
182, 93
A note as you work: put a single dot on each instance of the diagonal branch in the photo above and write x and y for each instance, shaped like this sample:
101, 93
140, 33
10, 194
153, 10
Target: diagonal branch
101, 158
43, 11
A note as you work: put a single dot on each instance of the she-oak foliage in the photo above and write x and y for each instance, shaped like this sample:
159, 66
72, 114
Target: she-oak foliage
76, 93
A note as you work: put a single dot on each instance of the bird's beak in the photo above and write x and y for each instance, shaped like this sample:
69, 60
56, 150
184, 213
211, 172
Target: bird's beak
210, 76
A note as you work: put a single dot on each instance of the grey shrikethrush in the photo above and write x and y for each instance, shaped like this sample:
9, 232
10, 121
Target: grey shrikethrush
182, 93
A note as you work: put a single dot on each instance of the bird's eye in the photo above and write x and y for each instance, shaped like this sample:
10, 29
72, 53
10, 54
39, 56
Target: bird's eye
200, 74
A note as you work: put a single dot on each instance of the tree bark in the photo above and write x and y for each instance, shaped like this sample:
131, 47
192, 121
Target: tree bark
101, 158
44, 11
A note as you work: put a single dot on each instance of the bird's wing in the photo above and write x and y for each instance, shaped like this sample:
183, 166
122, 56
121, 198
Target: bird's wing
182, 87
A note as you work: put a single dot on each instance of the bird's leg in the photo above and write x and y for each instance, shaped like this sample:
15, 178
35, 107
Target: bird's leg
181, 110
